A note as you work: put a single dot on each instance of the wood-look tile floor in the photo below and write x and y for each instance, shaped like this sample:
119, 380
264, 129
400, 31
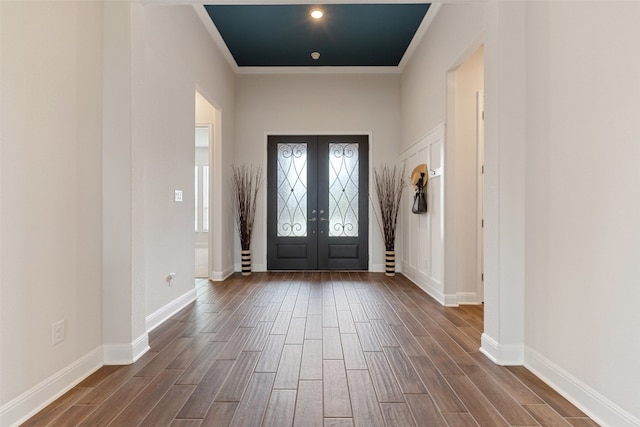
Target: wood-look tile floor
314, 349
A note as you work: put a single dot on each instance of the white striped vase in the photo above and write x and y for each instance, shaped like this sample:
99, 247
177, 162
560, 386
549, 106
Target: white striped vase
246, 262
390, 263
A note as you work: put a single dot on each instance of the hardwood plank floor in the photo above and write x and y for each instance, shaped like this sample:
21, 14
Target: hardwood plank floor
313, 349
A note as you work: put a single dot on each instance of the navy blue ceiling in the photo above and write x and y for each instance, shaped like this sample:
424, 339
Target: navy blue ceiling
347, 34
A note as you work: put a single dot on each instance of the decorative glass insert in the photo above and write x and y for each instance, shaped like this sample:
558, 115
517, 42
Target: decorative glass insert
343, 189
292, 190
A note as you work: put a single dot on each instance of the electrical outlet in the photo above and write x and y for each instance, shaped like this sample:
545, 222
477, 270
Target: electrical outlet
57, 332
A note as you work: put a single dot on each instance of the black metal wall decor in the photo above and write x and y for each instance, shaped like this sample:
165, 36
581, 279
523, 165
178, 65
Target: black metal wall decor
419, 179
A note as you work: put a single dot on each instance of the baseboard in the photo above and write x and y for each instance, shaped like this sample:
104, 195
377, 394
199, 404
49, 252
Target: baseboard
426, 284
460, 298
163, 313
125, 354
592, 403
219, 276
468, 298
505, 355
18, 410
376, 268
451, 300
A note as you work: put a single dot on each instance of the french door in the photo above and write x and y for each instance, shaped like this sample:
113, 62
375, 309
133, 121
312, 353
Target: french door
317, 216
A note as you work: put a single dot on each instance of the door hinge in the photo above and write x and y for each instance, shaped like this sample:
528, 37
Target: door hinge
483, 169
483, 115
482, 223
482, 277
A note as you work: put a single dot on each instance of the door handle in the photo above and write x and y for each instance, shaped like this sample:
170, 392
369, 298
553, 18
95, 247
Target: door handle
314, 219
323, 219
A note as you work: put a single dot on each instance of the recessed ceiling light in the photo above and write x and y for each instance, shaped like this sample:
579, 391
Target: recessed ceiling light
317, 13
315, 55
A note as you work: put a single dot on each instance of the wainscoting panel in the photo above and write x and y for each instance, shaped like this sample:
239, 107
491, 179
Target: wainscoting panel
423, 234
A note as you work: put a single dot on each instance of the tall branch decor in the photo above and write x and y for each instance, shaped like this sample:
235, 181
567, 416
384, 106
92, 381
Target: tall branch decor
245, 182
389, 183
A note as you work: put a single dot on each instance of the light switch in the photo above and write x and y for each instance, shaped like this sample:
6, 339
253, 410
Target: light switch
178, 197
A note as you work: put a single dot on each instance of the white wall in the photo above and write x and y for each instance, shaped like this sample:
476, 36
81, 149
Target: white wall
98, 119
562, 201
205, 113
452, 38
124, 334
51, 191
583, 203
180, 58
316, 103
504, 181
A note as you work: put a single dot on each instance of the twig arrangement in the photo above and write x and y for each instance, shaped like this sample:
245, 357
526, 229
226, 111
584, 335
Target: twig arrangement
389, 183
245, 182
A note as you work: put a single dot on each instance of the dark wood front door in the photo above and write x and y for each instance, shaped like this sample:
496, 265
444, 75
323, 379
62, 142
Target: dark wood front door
317, 216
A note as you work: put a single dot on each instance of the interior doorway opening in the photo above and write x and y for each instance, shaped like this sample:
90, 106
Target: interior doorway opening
464, 182
204, 123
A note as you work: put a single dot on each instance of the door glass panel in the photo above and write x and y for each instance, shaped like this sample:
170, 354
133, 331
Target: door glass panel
292, 190
343, 190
